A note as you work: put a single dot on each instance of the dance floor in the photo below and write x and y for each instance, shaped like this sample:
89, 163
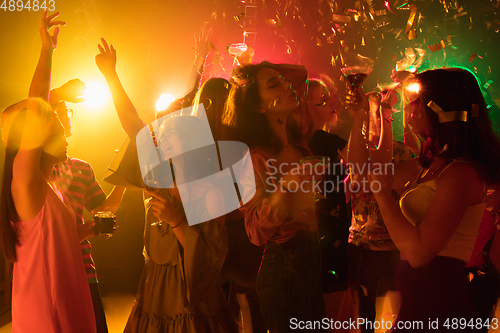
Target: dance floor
118, 307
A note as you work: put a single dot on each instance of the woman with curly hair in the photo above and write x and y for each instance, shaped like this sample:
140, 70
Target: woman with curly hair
280, 213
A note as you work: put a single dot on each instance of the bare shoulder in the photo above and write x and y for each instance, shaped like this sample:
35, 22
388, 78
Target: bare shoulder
463, 177
214, 201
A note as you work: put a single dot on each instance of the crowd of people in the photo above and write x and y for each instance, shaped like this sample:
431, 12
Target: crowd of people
309, 248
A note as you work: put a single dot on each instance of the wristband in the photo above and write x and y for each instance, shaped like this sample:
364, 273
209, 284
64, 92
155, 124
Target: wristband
178, 224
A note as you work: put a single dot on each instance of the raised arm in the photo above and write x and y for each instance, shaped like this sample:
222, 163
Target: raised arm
29, 174
112, 201
129, 118
201, 49
384, 151
40, 84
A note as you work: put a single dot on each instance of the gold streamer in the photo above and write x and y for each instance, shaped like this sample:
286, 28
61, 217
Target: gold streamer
410, 24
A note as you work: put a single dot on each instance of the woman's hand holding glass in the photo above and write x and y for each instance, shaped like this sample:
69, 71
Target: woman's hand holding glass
357, 103
163, 209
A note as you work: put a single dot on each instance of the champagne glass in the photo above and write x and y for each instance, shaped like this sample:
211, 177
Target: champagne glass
320, 160
356, 69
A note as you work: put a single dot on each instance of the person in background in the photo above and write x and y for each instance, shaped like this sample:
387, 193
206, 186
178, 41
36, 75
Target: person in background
333, 213
241, 265
180, 287
277, 215
75, 178
373, 256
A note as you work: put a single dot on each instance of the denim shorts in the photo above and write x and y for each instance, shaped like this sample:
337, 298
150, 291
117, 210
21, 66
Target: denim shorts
289, 282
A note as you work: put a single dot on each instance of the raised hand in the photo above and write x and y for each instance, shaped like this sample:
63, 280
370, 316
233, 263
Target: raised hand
72, 91
202, 43
106, 59
50, 41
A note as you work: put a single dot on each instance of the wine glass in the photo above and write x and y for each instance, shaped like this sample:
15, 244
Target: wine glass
356, 69
320, 160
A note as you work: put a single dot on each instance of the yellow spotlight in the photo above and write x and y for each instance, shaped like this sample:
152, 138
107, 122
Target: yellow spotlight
164, 101
413, 88
96, 95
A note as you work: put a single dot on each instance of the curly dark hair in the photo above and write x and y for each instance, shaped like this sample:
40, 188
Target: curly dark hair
241, 111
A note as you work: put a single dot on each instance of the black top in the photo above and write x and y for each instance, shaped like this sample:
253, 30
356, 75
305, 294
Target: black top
334, 214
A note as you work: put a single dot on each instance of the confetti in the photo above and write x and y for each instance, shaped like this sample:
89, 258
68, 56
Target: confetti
448, 39
264, 4
278, 21
438, 46
344, 45
410, 24
216, 56
388, 6
271, 22
487, 84
457, 15
473, 56
381, 12
341, 18
394, 57
239, 17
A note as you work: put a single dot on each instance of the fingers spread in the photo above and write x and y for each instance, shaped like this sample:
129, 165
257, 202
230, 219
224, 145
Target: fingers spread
49, 18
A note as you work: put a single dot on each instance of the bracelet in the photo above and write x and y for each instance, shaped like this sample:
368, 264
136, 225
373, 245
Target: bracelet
184, 219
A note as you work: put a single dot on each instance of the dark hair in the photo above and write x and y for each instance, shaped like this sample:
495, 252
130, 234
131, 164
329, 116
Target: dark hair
213, 95
454, 89
242, 111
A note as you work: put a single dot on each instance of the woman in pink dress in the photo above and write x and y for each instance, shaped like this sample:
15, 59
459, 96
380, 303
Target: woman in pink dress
49, 291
